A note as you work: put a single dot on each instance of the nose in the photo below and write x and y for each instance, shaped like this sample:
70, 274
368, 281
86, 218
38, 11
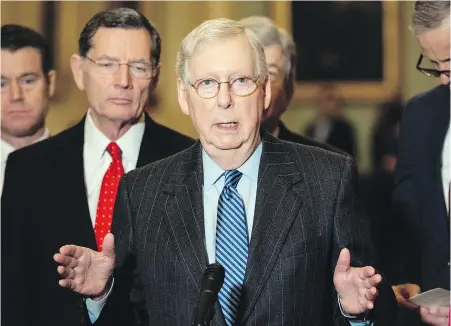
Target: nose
224, 97
444, 78
122, 77
15, 92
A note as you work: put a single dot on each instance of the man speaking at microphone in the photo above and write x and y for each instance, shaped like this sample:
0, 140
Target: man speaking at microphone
282, 218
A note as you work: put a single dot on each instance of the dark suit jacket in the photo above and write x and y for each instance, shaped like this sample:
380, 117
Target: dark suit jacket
341, 135
44, 206
418, 182
287, 135
306, 211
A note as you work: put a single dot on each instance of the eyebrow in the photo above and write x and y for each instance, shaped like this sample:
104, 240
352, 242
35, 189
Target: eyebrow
107, 57
444, 60
273, 65
29, 74
26, 74
140, 61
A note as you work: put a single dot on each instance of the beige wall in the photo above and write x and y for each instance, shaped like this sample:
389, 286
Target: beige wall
174, 20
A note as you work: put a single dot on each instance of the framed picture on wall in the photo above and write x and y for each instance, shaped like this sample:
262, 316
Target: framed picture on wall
353, 45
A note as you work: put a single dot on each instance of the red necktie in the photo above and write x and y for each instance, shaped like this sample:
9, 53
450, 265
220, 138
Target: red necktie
108, 193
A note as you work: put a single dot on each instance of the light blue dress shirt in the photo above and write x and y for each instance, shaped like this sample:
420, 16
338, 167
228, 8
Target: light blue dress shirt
213, 184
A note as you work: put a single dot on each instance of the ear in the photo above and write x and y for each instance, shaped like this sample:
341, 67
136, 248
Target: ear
182, 96
155, 78
267, 90
289, 88
76, 64
51, 77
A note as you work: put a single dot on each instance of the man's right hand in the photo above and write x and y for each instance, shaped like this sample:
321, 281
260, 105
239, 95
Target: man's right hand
84, 270
404, 292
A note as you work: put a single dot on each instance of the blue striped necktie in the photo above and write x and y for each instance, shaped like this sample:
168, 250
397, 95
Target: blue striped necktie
231, 244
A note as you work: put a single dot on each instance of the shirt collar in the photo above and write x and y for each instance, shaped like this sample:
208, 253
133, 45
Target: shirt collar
7, 149
212, 171
44, 136
130, 142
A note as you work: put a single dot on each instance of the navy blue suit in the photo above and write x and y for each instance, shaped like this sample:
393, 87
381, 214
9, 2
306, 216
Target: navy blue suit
419, 189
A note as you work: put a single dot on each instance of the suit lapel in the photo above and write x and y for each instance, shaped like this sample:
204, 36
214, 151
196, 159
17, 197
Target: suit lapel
185, 212
277, 204
70, 150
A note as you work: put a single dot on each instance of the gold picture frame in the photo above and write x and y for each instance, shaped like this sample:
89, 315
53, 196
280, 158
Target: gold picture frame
281, 13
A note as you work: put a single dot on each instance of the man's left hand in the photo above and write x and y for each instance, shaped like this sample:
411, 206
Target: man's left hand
355, 286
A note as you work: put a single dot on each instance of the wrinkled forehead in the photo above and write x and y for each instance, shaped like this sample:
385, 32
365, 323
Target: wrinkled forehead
436, 44
24, 60
274, 55
129, 43
223, 58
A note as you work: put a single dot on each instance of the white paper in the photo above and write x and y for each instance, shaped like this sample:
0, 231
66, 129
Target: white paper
432, 298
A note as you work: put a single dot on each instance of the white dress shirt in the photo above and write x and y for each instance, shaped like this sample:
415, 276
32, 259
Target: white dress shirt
446, 167
7, 149
322, 129
96, 159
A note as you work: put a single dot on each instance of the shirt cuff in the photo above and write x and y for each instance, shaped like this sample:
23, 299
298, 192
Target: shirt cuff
95, 307
355, 320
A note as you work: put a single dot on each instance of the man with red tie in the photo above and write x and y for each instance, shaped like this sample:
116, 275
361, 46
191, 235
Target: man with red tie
63, 189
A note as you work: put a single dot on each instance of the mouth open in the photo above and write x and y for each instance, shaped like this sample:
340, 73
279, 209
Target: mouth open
228, 125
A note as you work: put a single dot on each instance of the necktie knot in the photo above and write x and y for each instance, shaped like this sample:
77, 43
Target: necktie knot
232, 177
114, 150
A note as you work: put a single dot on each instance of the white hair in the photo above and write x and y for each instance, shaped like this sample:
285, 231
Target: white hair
214, 30
269, 34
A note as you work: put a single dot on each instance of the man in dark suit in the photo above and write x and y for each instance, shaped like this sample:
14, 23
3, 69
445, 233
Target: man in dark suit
423, 173
281, 59
62, 190
275, 214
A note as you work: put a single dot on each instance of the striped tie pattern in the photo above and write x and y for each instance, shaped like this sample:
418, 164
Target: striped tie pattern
231, 244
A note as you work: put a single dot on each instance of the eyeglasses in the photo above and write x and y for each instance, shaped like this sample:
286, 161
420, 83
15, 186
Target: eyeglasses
110, 67
240, 86
430, 72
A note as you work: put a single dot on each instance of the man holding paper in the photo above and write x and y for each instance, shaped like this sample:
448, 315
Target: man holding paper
423, 172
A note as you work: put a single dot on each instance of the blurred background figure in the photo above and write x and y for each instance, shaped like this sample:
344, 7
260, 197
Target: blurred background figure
385, 136
330, 126
280, 53
28, 83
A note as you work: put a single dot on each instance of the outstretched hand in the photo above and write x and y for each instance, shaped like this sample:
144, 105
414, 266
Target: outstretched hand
84, 270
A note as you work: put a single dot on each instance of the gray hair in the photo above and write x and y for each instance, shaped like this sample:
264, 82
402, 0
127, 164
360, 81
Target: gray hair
214, 30
269, 34
429, 15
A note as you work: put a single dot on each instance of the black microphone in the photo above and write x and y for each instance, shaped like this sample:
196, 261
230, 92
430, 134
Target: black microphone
212, 280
